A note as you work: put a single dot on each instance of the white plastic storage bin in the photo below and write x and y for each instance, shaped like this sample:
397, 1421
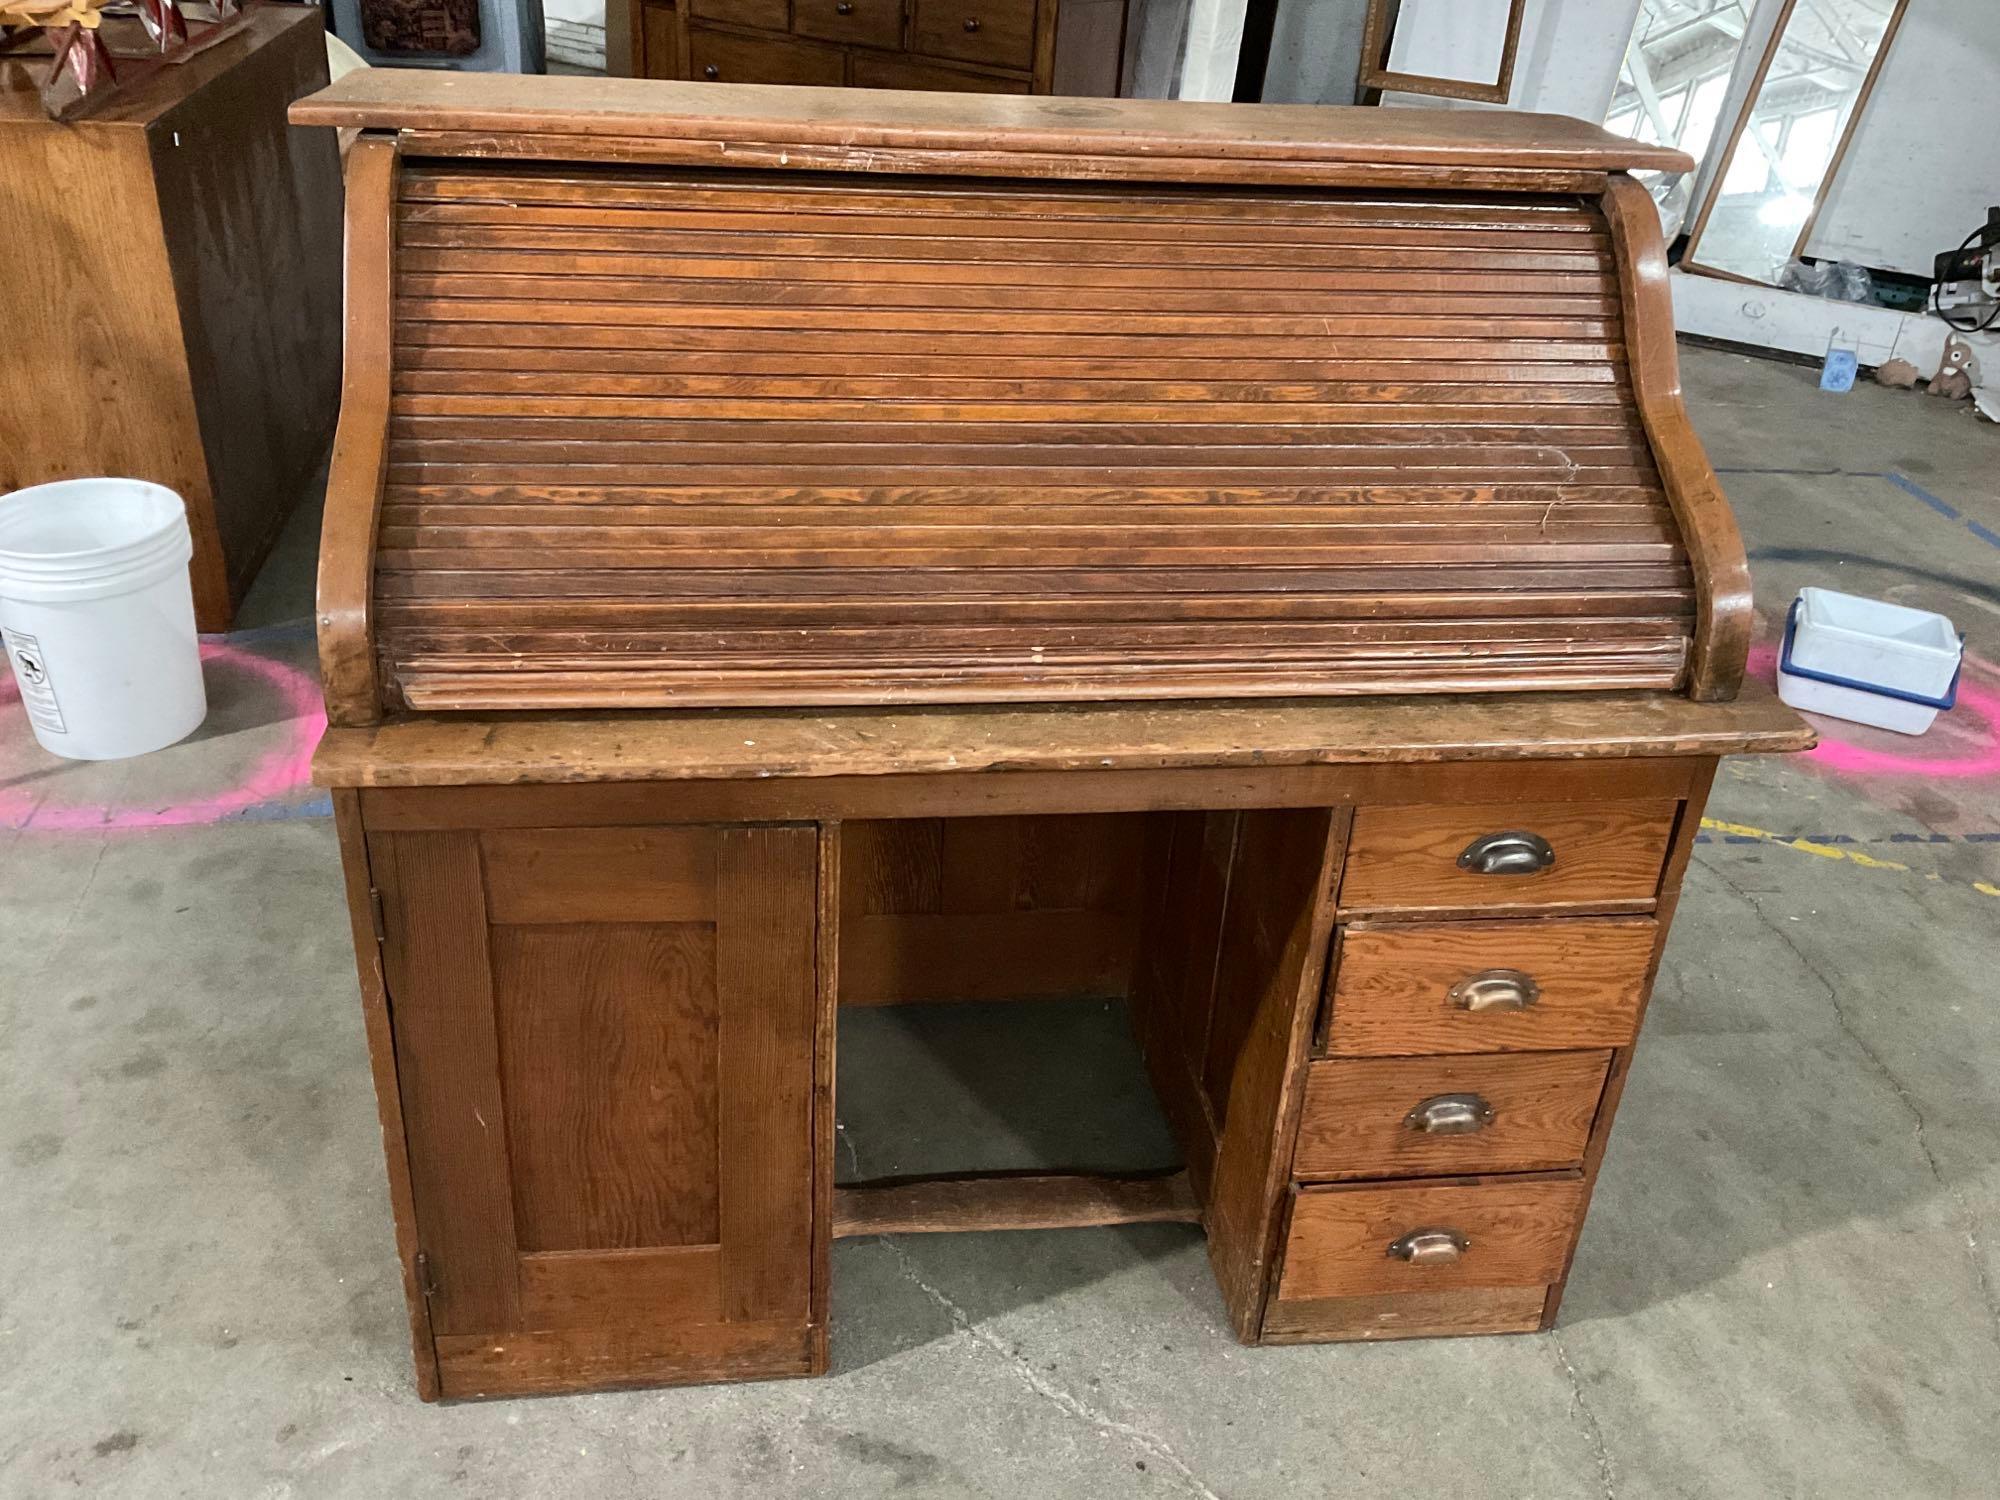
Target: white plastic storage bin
1867, 661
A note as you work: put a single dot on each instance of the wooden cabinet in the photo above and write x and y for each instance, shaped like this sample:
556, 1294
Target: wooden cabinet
974, 46
171, 306
605, 1044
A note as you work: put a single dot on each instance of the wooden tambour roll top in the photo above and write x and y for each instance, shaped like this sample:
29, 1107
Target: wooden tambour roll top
675, 395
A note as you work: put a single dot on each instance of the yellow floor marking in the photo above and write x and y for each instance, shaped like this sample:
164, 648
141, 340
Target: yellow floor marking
1825, 851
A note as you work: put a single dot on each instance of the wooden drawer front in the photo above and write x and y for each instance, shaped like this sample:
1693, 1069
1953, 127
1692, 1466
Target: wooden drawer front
870, 23
774, 14
1435, 1117
998, 32
719, 57
1425, 859
872, 72
1403, 990
1515, 1234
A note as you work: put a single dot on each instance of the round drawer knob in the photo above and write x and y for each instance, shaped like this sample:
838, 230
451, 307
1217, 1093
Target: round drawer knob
1430, 1247
843, 9
972, 23
711, 71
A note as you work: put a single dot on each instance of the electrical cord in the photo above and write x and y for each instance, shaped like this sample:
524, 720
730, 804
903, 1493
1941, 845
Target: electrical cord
1938, 286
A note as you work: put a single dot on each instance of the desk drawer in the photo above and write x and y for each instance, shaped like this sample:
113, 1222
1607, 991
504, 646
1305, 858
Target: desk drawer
1440, 1237
1400, 989
723, 57
871, 23
1000, 33
1445, 1116
1507, 856
770, 14
878, 71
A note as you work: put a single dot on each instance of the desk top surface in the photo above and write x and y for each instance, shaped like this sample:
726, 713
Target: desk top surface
730, 745
391, 98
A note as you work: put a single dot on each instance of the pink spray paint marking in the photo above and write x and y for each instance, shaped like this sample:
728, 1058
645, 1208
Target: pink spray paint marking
1974, 724
277, 774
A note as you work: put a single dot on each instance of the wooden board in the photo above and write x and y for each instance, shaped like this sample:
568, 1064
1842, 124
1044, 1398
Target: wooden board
1357, 1116
1390, 985
662, 439
620, 108
1606, 856
1021, 741
1519, 1234
607, 1083
988, 908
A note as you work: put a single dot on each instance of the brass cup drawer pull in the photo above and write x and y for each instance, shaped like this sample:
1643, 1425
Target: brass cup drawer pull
1508, 853
1430, 1247
1494, 989
1450, 1114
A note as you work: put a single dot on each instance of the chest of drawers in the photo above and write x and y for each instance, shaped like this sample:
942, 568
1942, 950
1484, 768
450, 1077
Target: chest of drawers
799, 549
956, 46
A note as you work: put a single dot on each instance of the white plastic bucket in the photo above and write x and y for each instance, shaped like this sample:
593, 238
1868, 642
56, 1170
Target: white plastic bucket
98, 615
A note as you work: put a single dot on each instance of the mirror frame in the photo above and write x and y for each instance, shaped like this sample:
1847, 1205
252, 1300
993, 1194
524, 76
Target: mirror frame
1377, 78
1690, 258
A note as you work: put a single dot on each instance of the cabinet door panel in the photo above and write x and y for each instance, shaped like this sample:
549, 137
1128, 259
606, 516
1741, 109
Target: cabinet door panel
605, 1045
608, 1056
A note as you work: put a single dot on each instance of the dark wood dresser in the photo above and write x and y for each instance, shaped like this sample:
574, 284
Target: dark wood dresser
957, 46
790, 549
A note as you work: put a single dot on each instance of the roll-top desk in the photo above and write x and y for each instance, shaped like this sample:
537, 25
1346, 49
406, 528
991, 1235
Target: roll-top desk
796, 548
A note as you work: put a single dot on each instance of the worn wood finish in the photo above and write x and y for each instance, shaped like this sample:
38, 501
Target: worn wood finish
1011, 793
172, 307
864, 567
349, 526
610, 1080
1715, 545
949, 1205
1405, 1315
362, 896
545, 1362
1518, 1234
1357, 1119
587, 108
989, 908
788, 745
1224, 1017
1389, 989
976, 417
1607, 857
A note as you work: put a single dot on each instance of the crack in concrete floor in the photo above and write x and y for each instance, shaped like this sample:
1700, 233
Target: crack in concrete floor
1968, 1222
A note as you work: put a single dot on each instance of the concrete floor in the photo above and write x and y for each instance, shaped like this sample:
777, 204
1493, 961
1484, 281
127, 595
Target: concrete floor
1787, 1286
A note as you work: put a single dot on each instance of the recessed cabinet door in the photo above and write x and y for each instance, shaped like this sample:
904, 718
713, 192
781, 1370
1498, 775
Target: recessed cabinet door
604, 1045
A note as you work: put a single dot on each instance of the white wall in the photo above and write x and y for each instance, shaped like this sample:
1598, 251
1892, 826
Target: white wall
1925, 162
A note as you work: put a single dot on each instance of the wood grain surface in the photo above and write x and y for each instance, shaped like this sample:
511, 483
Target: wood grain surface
616, 108
781, 745
1356, 1125
950, 1205
1608, 855
1390, 984
1404, 1315
661, 440
1519, 1234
